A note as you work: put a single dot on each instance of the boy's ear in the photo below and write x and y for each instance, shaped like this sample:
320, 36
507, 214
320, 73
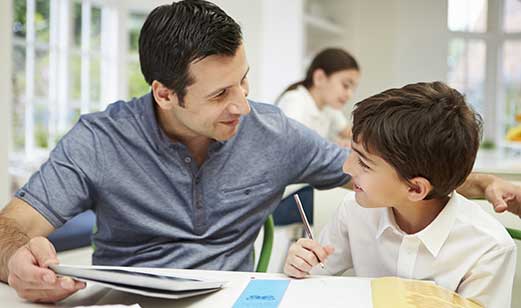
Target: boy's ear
419, 188
165, 98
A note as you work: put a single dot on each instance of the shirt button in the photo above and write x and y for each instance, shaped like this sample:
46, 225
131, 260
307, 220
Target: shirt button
22, 194
188, 160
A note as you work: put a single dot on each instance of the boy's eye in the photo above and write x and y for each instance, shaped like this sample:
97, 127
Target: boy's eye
362, 164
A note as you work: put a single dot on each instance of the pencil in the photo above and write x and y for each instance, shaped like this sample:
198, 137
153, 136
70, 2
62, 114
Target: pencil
307, 227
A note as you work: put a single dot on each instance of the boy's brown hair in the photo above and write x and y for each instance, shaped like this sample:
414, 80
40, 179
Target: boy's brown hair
422, 129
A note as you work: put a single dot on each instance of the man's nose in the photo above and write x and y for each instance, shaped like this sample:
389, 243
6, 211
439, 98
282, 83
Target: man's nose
240, 105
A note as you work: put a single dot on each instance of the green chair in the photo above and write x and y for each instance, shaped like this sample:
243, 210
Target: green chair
267, 245
514, 233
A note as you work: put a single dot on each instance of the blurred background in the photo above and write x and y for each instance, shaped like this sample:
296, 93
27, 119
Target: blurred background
63, 58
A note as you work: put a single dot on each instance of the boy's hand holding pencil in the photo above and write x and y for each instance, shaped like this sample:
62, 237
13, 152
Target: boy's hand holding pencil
303, 255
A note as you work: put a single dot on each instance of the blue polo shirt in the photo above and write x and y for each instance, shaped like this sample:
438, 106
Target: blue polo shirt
155, 207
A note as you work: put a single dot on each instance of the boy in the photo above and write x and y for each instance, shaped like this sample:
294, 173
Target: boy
412, 147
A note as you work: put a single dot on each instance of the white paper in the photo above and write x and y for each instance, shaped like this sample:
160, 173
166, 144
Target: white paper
328, 292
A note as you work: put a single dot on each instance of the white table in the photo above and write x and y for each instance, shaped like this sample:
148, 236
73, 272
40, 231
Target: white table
317, 291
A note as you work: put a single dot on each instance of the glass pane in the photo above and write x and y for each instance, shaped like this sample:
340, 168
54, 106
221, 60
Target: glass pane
19, 14
75, 76
76, 24
137, 85
41, 80
41, 21
512, 82
466, 63
95, 28
41, 128
512, 16
73, 116
18, 98
135, 23
468, 15
95, 81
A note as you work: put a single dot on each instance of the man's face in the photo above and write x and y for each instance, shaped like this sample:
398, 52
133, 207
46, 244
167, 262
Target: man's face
375, 182
215, 102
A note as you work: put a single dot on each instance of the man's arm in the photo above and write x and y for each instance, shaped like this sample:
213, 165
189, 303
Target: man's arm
502, 194
25, 255
19, 222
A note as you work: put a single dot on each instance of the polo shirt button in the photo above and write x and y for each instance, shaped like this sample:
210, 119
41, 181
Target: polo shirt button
22, 194
188, 160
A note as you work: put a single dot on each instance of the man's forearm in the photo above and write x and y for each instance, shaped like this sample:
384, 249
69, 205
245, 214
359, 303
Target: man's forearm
474, 186
11, 238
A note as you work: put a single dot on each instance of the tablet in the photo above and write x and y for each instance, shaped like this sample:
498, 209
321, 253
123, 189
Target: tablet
130, 277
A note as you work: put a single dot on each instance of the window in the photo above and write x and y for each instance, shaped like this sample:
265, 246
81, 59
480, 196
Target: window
66, 62
57, 59
484, 62
136, 83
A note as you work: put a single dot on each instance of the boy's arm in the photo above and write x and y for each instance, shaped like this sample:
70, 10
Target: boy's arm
335, 233
502, 194
490, 280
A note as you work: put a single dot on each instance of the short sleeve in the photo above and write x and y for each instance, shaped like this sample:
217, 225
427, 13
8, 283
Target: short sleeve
312, 159
65, 184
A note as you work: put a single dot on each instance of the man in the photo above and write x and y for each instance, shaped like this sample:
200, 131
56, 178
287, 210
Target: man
182, 177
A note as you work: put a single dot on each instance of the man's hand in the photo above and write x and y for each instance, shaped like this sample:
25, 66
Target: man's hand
30, 276
303, 255
504, 196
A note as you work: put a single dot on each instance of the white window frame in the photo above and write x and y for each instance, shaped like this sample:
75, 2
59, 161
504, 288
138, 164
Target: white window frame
59, 48
494, 94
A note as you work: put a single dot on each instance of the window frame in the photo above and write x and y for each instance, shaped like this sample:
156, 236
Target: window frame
494, 39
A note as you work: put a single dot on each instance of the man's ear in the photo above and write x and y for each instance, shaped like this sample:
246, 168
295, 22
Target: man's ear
165, 98
419, 188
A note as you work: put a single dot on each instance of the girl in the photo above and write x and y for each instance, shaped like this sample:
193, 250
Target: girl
317, 100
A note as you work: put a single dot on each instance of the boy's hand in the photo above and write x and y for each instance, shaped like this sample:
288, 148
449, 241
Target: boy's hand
303, 255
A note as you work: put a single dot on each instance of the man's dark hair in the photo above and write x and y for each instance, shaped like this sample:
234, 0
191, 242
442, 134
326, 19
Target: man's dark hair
422, 129
173, 36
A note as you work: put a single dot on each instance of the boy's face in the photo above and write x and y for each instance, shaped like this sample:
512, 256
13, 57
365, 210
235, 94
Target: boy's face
375, 182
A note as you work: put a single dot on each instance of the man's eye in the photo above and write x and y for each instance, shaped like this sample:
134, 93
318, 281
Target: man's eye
221, 93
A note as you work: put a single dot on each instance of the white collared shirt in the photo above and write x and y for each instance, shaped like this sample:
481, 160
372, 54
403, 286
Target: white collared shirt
464, 249
299, 105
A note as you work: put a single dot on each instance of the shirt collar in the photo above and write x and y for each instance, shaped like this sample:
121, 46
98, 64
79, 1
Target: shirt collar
435, 234
309, 101
159, 138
